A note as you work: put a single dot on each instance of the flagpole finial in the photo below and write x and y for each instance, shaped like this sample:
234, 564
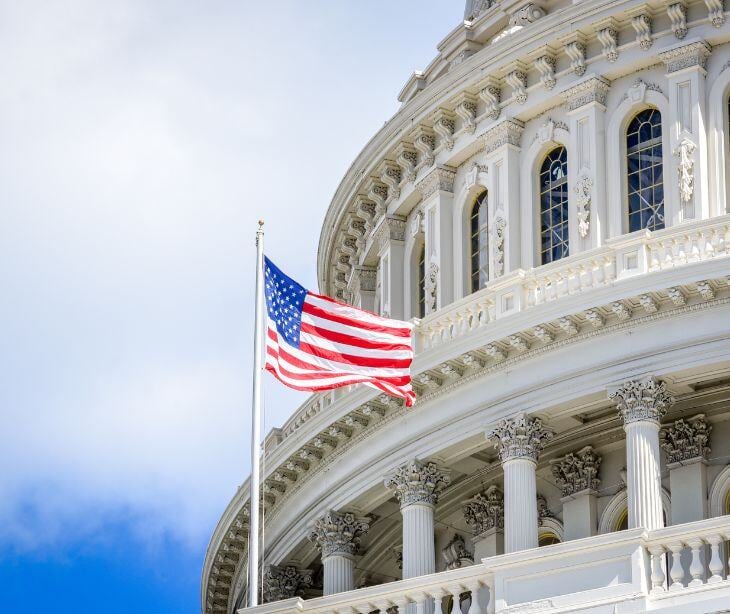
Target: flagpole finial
261, 224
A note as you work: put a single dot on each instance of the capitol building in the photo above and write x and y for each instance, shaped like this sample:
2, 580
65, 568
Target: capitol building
549, 206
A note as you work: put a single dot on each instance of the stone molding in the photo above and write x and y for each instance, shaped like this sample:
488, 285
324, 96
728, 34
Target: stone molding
390, 229
519, 437
485, 510
417, 482
285, 582
455, 553
439, 179
339, 533
686, 440
686, 56
592, 89
507, 132
642, 400
577, 472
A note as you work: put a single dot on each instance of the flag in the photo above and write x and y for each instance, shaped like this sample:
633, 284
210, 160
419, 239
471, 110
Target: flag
316, 343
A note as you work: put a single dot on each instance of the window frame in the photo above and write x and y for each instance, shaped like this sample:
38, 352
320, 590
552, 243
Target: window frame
480, 204
541, 170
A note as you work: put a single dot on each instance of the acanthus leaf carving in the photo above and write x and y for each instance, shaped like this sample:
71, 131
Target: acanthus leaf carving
686, 440
285, 582
519, 437
685, 168
417, 482
485, 510
577, 472
339, 533
642, 400
583, 189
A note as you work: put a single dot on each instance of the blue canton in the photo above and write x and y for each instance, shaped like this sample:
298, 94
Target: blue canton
284, 300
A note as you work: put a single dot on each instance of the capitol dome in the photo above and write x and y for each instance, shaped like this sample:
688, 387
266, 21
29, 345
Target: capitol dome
549, 206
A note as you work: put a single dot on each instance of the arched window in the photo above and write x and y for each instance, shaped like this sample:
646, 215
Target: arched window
554, 206
479, 243
644, 168
422, 281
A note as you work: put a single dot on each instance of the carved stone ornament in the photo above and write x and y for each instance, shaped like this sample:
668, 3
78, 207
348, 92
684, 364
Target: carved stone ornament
686, 440
498, 232
485, 511
519, 437
641, 22
472, 175
543, 511
583, 189
577, 472
508, 132
475, 8
432, 276
417, 482
607, 34
545, 65
642, 400
285, 582
517, 80
592, 89
526, 15
339, 533
685, 168
398, 555
677, 12
455, 553
491, 96
390, 229
716, 12
439, 179
686, 56
416, 224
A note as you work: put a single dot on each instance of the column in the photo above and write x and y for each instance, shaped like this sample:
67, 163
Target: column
285, 582
484, 513
337, 537
519, 441
686, 444
587, 163
437, 194
502, 145
686, 179
576, 474
641, 405
417, 485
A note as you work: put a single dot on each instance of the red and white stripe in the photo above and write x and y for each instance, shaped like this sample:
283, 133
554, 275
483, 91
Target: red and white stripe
342, 345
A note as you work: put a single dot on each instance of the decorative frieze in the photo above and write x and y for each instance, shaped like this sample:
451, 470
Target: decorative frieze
595, 319
706, 290
621, 311
642, 400
519, 437
455, 553
445, 126
648, 303
686, 440
583, 188
543, 334
577, 472
685, 168
686, 56
677, 12
575, 48
285, 582
466, 110
417, 482
439, 179
485, 510
607, 34
518, 342
491, 95
716, 12
641, 22
568, 326
516, 78
592, 89
494, 351
339, 533
508, 132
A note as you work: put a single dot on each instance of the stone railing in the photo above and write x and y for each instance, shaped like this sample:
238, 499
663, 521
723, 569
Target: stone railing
587, 573
621, 258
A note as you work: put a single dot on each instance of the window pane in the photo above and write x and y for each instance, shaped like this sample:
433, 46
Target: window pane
554, 206
645, 187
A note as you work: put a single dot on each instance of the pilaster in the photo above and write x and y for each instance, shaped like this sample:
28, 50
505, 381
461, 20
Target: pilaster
484, 513
390, 244
576, 474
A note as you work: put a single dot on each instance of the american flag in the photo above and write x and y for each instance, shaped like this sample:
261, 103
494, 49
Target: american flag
316, 343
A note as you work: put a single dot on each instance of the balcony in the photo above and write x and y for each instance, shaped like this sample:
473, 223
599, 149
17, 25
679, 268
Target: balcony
680, 568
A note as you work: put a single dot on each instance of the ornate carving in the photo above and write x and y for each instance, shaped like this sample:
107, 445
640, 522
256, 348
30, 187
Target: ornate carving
390, 176
439, 179
473, 174
519, 437
491, 95
621, 311
595, 319
390, 229
641, 22
417, 482
716, 13
576, 472
416, 224
676, 295
677, 13
508, 132
648, 303
685, 168
485, 510
642, 400
285, 582
686, 56
425, 143
407, 159
432, 276
592, 89
686, 440
498, 232
543, 334
475, 8
607, 33
575, 48
466, 109
706, 290
455, 553
517, 80
525, 16
398, 555
444, 126
378, 193
568, 326
543, 511
546, 132
583, 189
518, 342
545, 65
339, 533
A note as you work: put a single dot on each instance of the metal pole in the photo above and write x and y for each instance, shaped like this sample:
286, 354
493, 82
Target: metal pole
253, 535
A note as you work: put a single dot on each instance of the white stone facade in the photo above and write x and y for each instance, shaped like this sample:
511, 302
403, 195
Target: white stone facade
570, 447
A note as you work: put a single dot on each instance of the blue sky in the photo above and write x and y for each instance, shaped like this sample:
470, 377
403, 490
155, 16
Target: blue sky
140, 142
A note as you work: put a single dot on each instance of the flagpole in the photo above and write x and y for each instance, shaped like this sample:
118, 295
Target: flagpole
253, 535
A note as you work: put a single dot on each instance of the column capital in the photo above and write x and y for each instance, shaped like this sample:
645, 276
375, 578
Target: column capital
339, 533
417, 482
485, 510
440, 179
507, 132
285, 582
642, 400
591, 89
689, 55
389, 229
686, 440
519, 437
577, 472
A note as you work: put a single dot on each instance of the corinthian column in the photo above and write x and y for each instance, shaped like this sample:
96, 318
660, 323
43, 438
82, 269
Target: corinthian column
417, 485
641, 405
519, 441
337, 536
